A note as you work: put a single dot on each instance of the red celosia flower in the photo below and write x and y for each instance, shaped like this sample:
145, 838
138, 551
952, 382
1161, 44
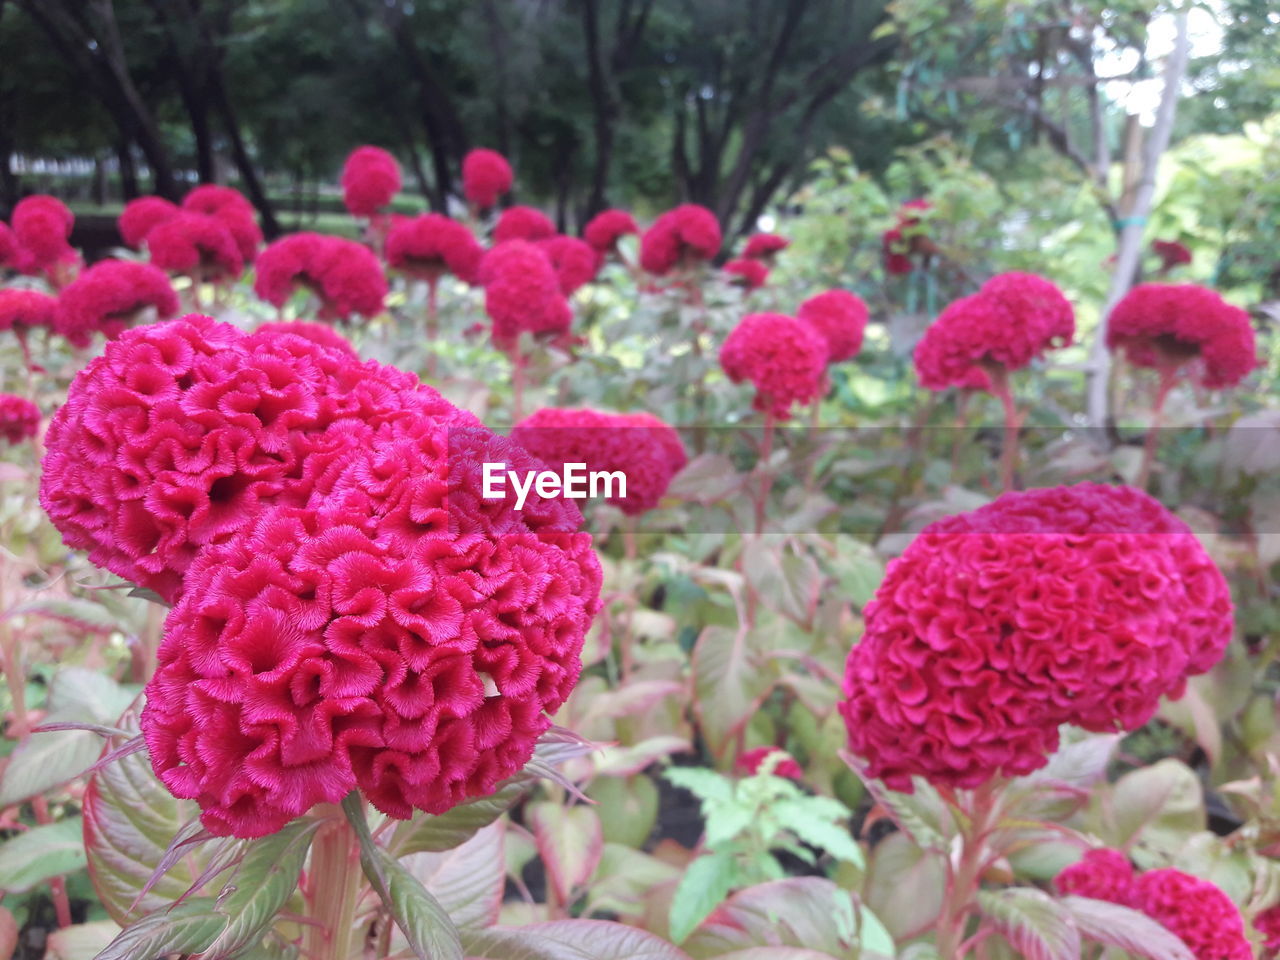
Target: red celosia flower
346, 275
1267, 923
522, 293
523, 223
1101, 874
907, 238
763, 246
1171, 253
401, 634
1169, 326
896, 247
109, 297
19, 418
141, 216
431, 245
751, 760
647, 451
1197, 911
234, 210
605, 228
192, 243
319, 333
575, 262
1012, 321
23, 310
751, 274
784, 357
370, 181
42, 226
688, 234
486, 176
1079, 605
841, 318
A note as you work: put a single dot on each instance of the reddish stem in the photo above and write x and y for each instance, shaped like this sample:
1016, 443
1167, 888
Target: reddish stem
57, 885
766, 477
433, 327
1009, 449
518, 361
333, 890
1168, 377
964, 872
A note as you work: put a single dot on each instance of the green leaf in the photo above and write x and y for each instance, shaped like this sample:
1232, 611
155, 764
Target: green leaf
728, 688
1036, 925
904, 886
80, 941
627, 806
1159, 807
424, 923
468, 881
570, 840
42, 852
189, 927
706, 785
261, 885
812, 823
704, 885
809, 912
1125, 929
921, 814
80, 613
570, 940
431, 834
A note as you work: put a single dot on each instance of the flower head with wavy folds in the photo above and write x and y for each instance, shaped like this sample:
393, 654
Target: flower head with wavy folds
429, 246
1172, 253
1081, 605
370, 181
648, 452
841, 318
319, 333
22, 310
605, 229
522, 293
486, 176
141, 216
574, 260
196, 244
233, 209
764, 246
19, 418
686, 235
111, 296
747, 273
42, 228
345, 275
1197, 911
1182, 326
785, 358
1101, 874
523, 223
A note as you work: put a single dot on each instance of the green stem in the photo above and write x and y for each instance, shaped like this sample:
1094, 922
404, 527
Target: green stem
333, 890
1168, 376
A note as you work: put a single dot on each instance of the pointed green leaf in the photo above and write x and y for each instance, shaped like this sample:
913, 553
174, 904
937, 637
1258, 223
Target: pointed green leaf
1125, 929
189, 927
35, 855
1036, 925
702, 888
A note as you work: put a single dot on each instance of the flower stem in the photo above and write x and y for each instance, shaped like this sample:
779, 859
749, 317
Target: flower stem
1009, 449
964, 872
1168, 376
518, 361
333, 890
766, 472
433, 328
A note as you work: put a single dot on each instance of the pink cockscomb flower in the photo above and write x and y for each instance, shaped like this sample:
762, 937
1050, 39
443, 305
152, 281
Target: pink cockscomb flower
1171, 253
429, 246
42, 227
841, 318
24, 310
896, 249
111, 296
400, 635
1101, 874
1036, 304
486, 176
522, 293
523, 223
750, 274
647, 451
318, 333
370, 181
785, 358
908, 239
575, 262
1172, 327
234, 210
141, 216
345, 275
764, 246
1196, 911
19, 419
605, 229
196, 245
684, 236
1081, 605
750, 762
1267, 923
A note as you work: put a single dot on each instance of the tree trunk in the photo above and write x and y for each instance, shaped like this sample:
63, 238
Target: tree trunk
128, 171
244, 163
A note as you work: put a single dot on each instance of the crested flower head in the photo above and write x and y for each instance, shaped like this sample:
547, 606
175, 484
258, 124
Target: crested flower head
1101, 874
1081, 605
785, 358
647, 451
23, 310
523, 223
1172, 326
319, 333
575, 262
750, 762
841, 318
1172, 253
686, 235
522, 293
19, 418
140, 216
110, 296
1195, 910
486, 176
196, 243
234, 210
345, 275
370, 181
42, 227
431, 245
605, 228
747, 273
764, 246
